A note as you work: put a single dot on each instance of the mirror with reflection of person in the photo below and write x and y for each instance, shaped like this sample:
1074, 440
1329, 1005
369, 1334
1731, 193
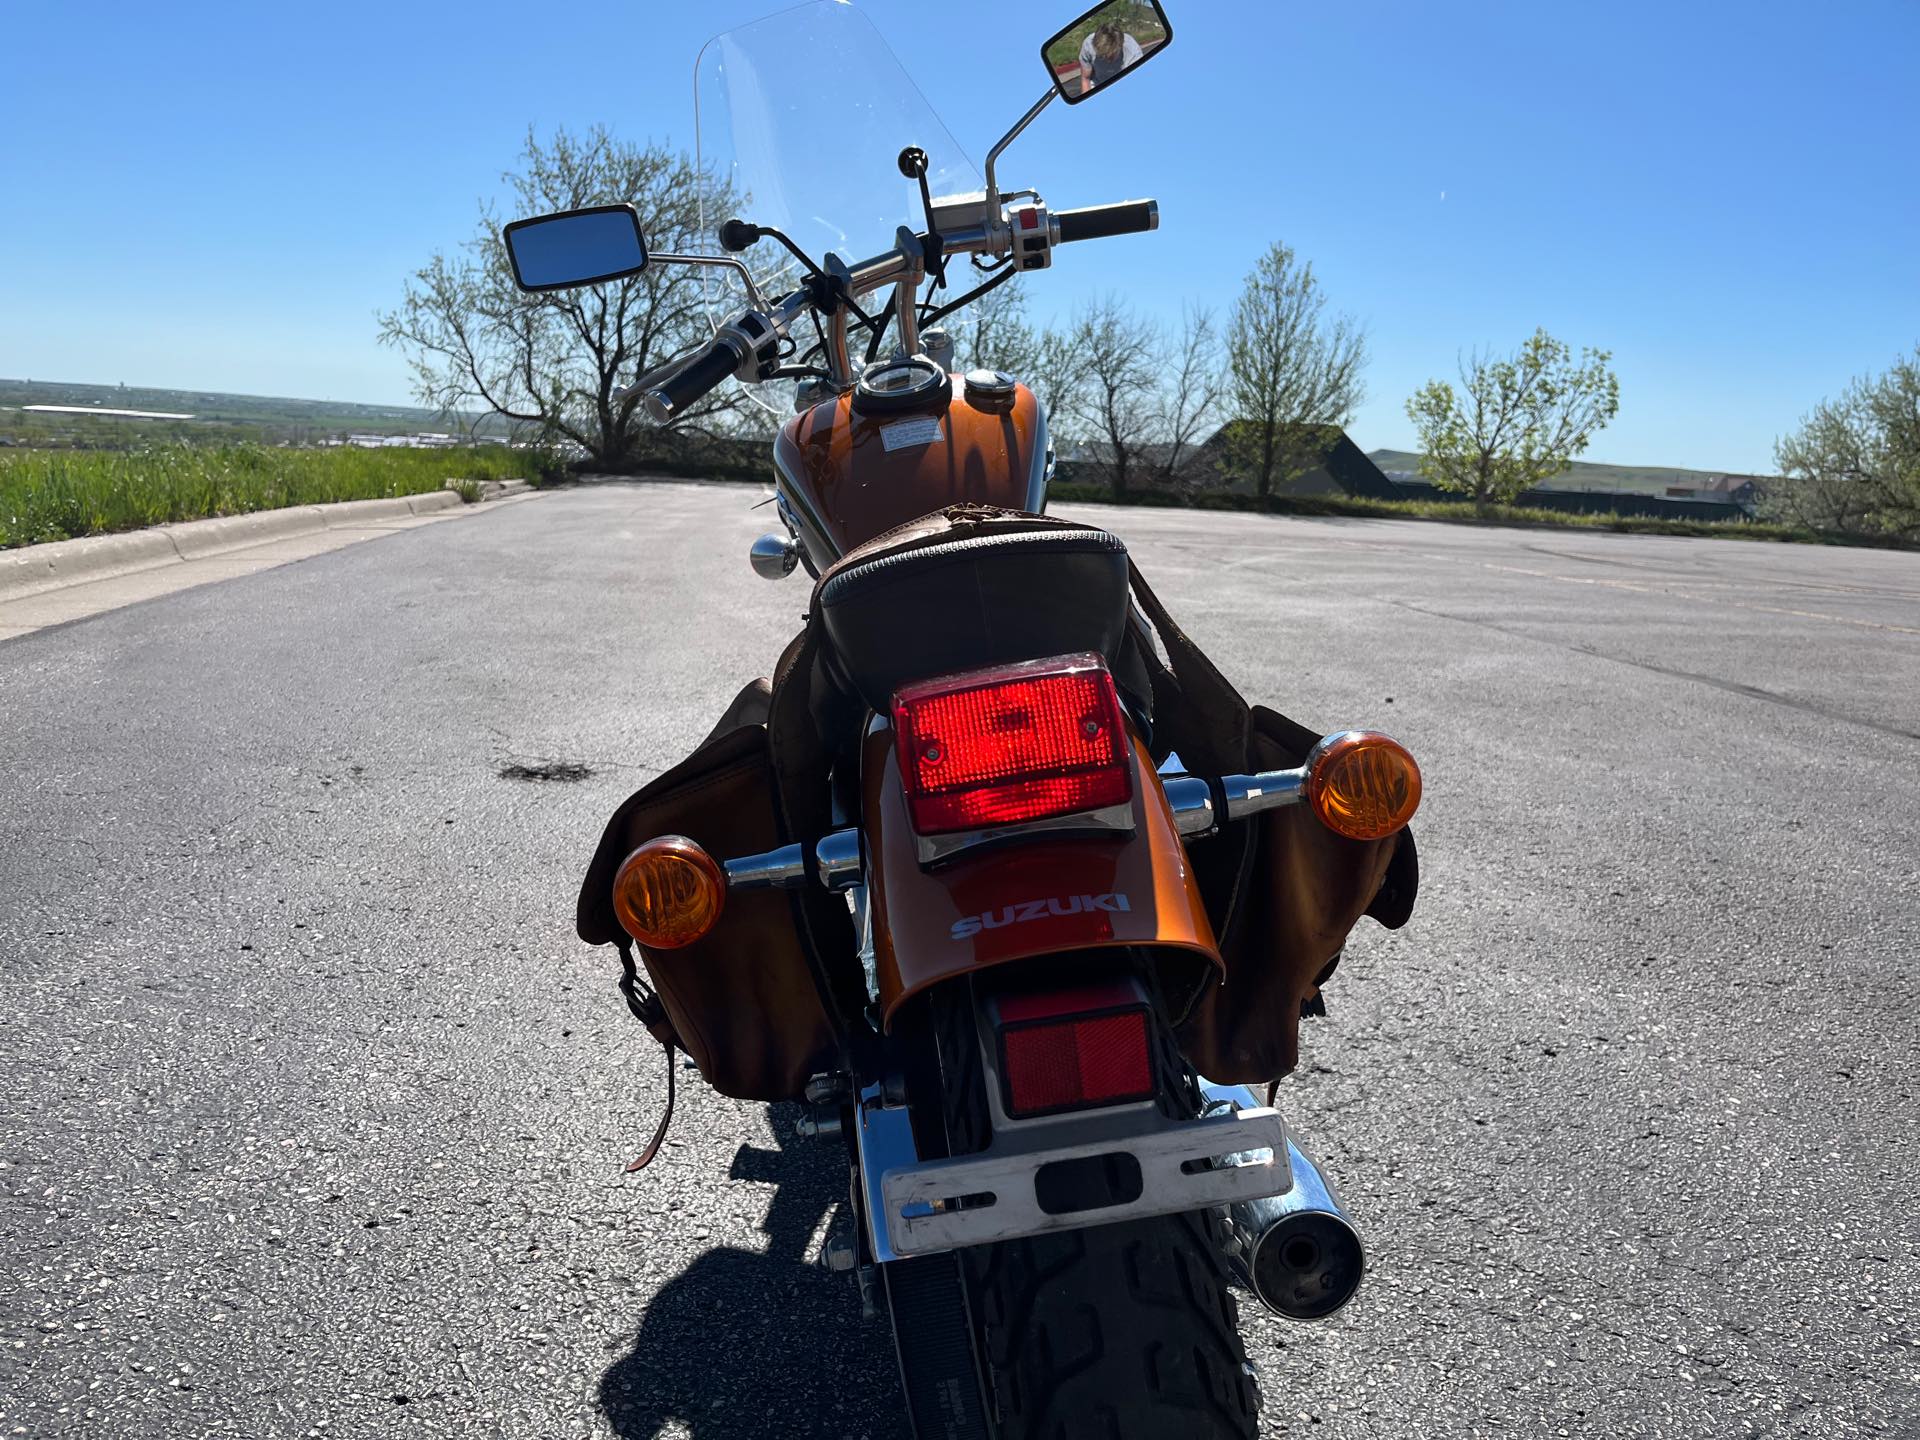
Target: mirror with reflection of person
1104, 44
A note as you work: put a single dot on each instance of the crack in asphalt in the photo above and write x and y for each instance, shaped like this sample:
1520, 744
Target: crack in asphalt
1705, 599
1878, 592
1732, 687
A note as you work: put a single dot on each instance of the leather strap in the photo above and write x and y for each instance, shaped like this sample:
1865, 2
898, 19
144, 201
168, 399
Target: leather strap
645, 1157
648, 1010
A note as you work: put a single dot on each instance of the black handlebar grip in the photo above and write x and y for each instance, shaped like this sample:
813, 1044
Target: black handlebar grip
1096, 222
693, 380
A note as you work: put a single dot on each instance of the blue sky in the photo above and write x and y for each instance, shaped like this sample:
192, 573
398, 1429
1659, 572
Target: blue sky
1725, 195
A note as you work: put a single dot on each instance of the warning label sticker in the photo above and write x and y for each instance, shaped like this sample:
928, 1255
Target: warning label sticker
921, 430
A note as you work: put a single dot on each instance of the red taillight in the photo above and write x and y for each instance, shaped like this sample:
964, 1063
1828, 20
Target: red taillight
1011, 744
1051, 1060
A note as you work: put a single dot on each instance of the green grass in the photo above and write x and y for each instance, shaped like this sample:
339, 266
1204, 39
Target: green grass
60, 494
1464, 513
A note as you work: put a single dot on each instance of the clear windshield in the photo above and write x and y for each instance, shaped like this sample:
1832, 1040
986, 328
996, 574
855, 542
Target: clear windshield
800, 120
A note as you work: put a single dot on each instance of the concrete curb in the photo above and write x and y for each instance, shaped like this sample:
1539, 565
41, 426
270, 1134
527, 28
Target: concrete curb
500, 489
36, 569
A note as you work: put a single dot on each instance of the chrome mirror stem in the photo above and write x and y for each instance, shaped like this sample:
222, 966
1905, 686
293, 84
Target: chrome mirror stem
730, 263
993, 155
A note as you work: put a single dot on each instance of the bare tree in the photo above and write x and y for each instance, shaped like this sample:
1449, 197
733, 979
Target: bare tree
551, 362
1192, 385
1117, 361
1291, 363
994, 332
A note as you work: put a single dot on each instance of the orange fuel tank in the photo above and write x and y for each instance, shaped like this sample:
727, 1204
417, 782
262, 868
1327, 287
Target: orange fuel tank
848, 470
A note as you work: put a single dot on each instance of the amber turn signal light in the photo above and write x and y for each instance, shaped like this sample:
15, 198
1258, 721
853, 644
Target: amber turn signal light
669, 893
1362, 784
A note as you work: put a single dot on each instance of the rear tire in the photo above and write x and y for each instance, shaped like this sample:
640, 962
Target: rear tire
1120, 1332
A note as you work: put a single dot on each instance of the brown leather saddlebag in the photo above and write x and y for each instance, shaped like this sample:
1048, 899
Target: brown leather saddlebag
1282, 890
742, 1002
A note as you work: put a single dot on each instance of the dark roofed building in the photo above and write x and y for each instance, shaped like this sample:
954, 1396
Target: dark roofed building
1313, 460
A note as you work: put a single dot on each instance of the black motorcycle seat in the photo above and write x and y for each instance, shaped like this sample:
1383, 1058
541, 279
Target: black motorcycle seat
965, 604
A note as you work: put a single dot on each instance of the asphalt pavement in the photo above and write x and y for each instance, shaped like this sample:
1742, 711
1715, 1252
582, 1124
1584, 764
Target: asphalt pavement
314, 1109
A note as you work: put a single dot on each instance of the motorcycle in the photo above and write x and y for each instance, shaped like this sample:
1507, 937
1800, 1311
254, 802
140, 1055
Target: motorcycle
947, 878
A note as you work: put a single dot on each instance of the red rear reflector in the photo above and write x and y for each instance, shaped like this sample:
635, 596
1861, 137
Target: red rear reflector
1012, 744
1070, 1064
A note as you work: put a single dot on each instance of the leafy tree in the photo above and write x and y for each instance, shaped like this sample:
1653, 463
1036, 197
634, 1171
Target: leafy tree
1519, 420
551, 362
1289, 363
1854, 463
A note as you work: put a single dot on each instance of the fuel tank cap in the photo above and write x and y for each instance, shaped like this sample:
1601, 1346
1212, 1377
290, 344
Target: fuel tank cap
990, 387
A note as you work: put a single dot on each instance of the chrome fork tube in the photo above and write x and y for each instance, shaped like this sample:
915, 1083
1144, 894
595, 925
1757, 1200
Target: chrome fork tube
839, 361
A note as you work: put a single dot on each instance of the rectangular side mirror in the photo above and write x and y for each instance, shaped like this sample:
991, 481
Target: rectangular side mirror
576, 247
1109, 41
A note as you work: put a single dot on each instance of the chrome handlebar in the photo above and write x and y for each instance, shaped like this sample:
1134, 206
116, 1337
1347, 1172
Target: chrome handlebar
743, 347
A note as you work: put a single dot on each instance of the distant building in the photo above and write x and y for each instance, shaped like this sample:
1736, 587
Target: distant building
1310, 460
1619, 490
427, 440
1745, 491
1741, 490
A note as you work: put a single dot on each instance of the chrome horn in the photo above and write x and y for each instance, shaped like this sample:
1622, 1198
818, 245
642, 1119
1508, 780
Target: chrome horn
774, 556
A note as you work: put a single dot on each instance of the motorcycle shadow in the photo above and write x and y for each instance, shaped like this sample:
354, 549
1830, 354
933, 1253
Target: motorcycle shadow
753, 1344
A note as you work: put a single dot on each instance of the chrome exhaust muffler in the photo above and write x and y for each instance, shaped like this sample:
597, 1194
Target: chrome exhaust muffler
1300, 1252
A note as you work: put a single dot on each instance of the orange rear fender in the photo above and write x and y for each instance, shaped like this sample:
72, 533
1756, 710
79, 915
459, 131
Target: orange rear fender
1015, 901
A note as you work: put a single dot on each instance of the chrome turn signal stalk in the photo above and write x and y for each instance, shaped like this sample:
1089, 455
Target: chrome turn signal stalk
1269, 790
1198, 810
837, 860
1360, 784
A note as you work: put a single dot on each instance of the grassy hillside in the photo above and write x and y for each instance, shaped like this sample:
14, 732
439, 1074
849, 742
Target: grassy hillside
217, 417
1628, 479
59, 494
